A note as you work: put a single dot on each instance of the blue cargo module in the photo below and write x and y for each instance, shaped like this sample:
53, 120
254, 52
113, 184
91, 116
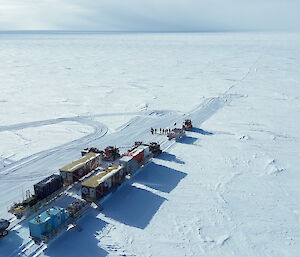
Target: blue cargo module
47, 223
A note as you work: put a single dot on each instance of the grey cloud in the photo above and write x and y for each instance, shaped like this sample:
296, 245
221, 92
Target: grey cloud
155, 15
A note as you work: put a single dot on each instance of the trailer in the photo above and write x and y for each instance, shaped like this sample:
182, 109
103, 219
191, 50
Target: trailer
48, 186
31, 204
176, 133
44, 192
99, 185
78, 169
49, 224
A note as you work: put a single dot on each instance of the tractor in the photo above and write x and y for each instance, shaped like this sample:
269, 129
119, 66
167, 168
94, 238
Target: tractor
4, 224
111, 153
90, 149
155, 149
187, 125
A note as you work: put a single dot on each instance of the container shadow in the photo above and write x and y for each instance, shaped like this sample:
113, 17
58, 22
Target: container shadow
77, 244
10, 244
159, 177
135, 206
169, 157
132, 206
202, 132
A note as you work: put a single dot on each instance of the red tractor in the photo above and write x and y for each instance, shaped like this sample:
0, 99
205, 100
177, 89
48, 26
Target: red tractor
111, 153
187, 125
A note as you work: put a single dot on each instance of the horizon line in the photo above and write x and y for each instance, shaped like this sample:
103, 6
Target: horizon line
50, 31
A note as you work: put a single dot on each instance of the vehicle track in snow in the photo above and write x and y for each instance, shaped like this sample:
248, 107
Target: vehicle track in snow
99, 131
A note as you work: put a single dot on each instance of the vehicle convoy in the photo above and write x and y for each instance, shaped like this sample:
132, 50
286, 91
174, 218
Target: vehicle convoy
4, 224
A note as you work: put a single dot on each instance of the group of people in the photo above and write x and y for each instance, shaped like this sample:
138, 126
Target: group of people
160, 131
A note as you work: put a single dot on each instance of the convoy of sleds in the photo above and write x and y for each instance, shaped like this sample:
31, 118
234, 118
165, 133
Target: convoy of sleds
95, 174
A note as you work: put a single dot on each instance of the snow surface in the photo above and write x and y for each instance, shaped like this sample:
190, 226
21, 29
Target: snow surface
230, 187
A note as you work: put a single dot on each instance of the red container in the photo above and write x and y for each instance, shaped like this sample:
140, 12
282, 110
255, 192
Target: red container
137, 154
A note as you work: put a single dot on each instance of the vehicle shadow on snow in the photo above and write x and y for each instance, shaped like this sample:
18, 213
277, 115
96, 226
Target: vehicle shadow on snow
84, 243
169, 157
187, 140
202, 132
10, 243
135, 206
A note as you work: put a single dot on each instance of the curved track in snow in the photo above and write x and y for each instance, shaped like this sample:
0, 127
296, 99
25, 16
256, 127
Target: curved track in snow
99, 131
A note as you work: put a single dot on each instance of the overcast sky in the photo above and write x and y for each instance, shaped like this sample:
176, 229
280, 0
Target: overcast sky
150, 15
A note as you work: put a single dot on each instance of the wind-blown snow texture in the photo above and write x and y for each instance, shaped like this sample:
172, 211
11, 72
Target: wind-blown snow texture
229, 188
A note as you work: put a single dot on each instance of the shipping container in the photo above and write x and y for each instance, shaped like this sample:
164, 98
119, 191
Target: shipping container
48, 186
130, 164
76, 170
137, 154
146, 150
98, 185
47, 222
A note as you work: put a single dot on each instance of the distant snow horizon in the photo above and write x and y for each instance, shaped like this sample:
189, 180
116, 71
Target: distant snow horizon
141, 31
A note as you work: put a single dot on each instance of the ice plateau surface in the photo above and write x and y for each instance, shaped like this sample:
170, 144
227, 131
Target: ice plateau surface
229, 188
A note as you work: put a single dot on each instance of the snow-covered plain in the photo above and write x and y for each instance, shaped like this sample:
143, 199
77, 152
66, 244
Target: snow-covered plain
229, 188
